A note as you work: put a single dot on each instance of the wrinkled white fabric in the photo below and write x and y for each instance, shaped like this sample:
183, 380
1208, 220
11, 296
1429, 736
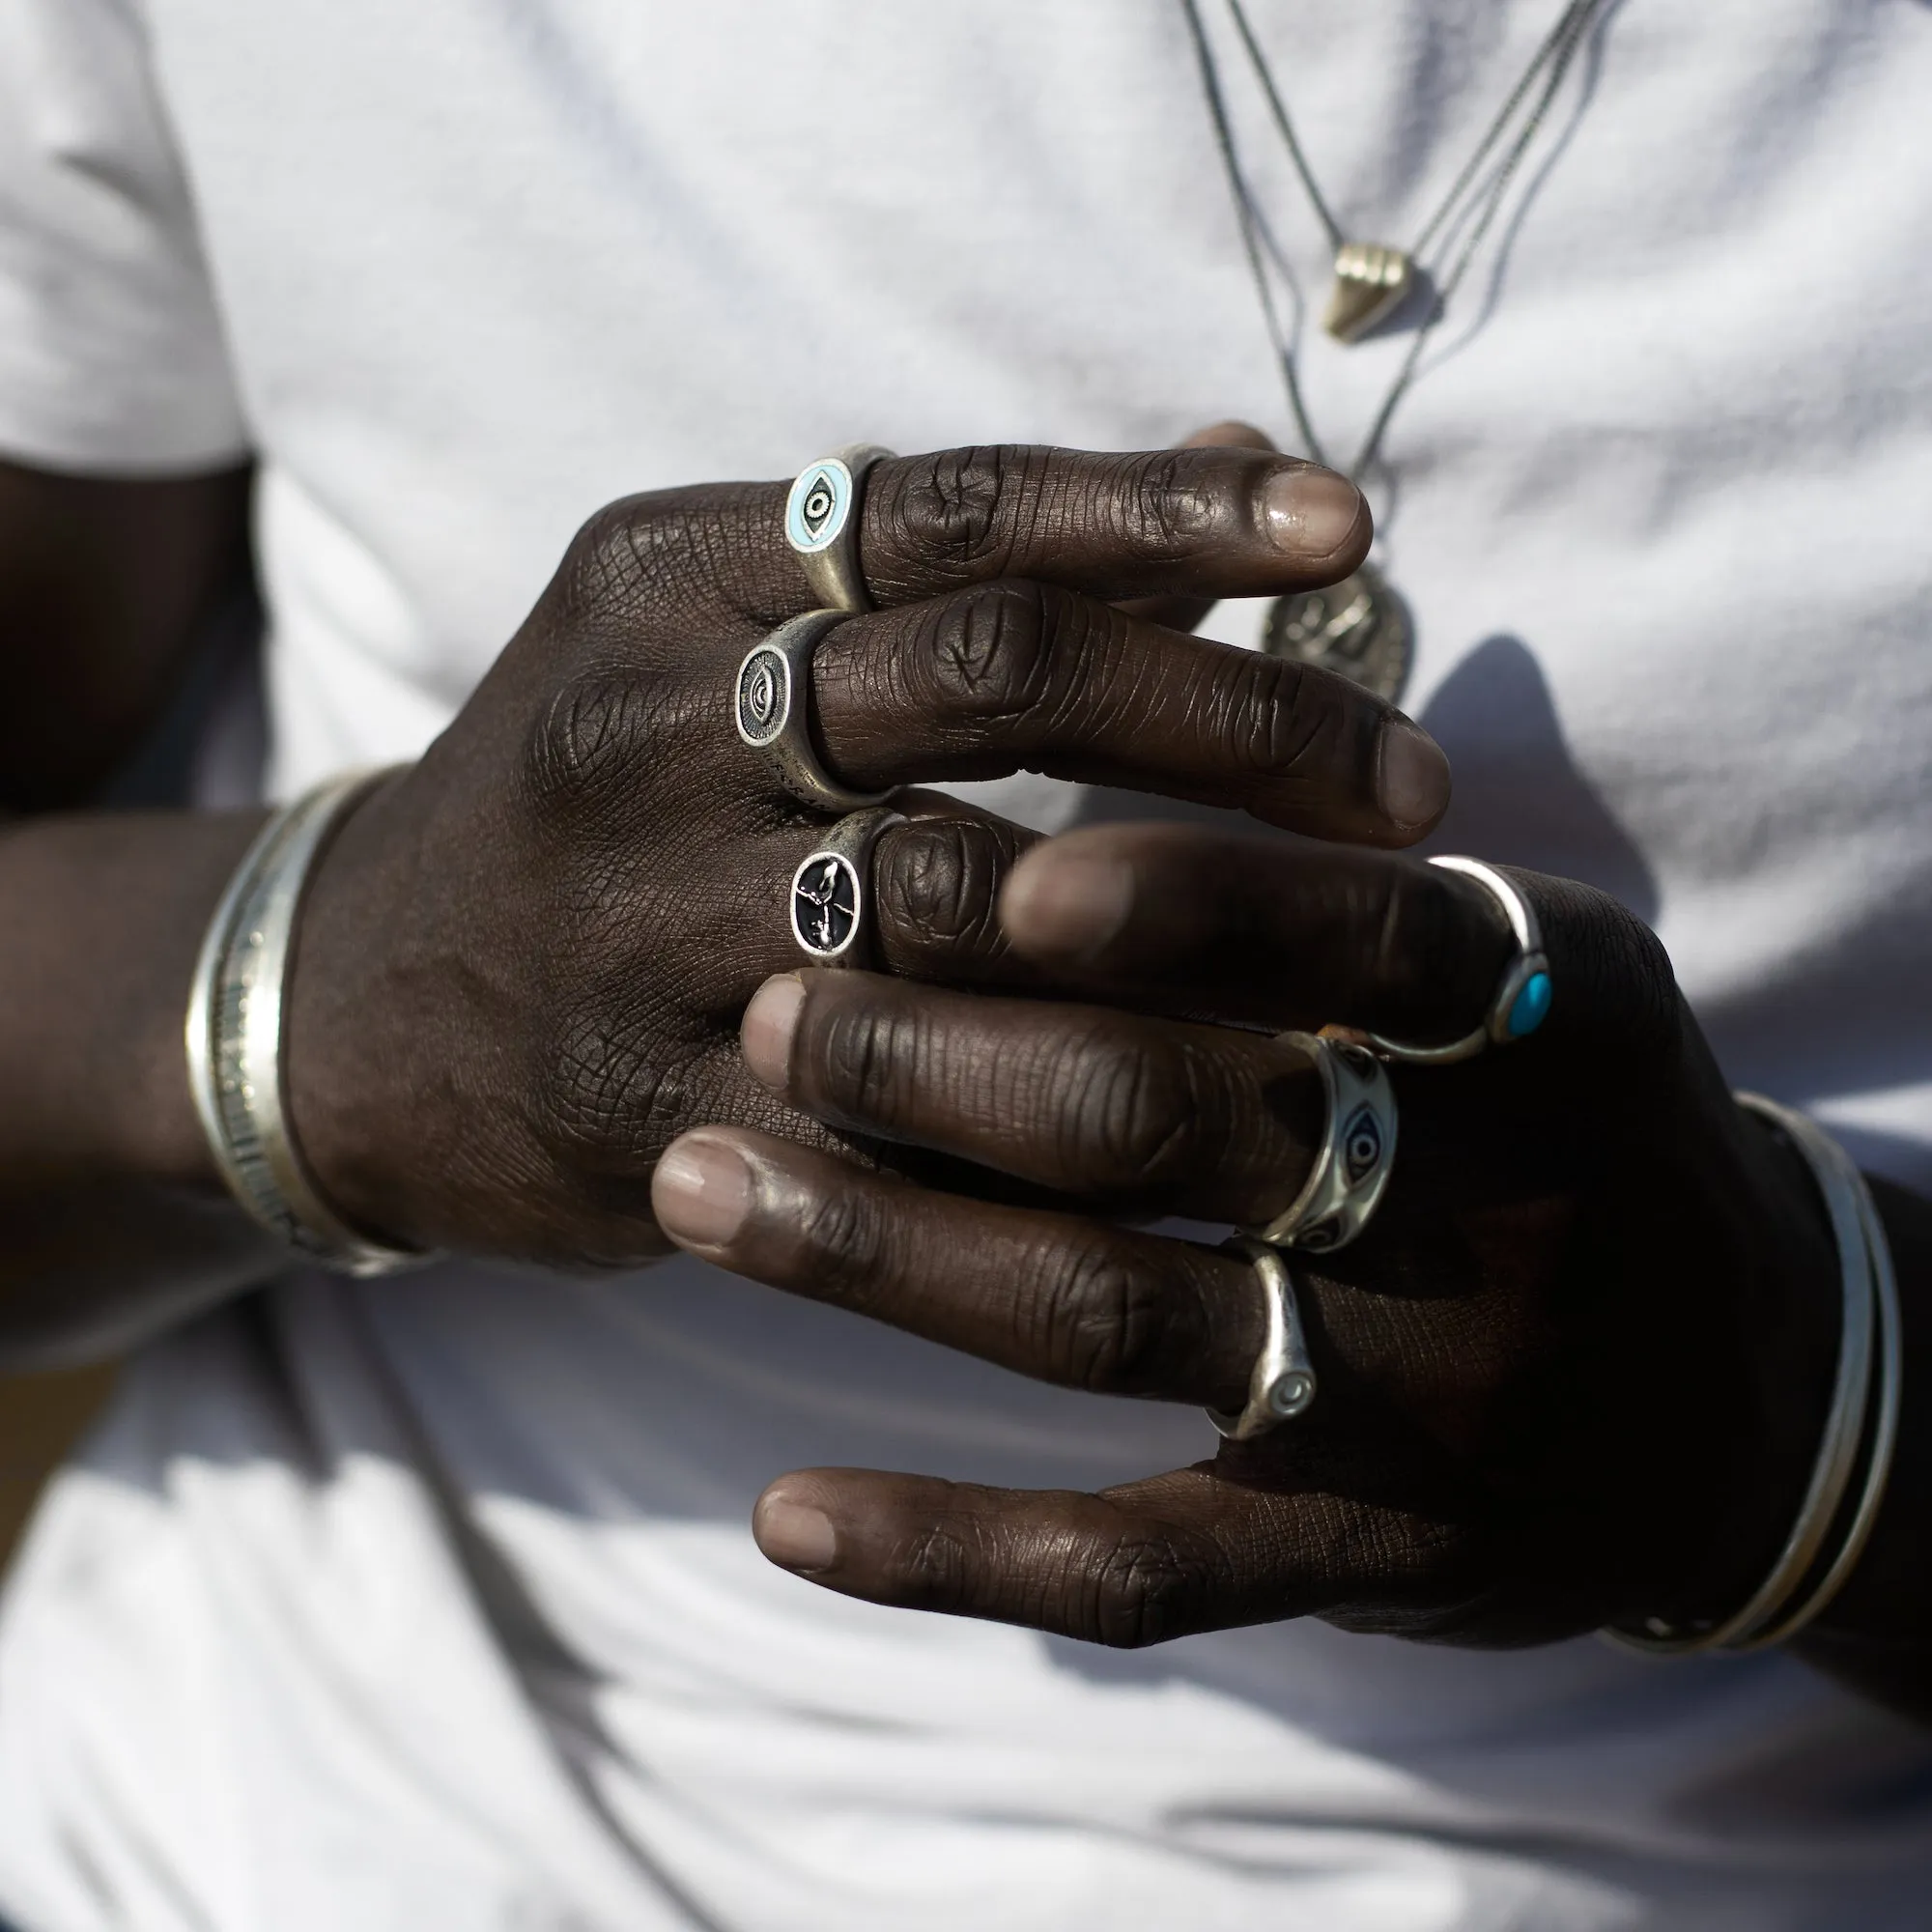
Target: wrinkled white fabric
432, 1602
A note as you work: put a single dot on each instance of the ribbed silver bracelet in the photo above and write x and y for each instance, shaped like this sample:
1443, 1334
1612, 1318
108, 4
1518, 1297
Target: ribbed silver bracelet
234, 1035
1870, 1347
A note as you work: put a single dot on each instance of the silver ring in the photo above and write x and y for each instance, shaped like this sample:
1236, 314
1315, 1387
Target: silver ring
772, 709
822, 524
832, 887
1281, 1383
1523, 996
1351, 1168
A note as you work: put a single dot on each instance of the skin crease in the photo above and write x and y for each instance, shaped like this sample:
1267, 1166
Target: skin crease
1574, 1373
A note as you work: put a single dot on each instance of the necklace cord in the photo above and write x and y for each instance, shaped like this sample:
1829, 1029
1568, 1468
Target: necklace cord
1550, 63
1246, 219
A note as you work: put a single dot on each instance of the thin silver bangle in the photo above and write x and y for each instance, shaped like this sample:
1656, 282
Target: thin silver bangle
1870, 1327
1885, 1430
234, 1035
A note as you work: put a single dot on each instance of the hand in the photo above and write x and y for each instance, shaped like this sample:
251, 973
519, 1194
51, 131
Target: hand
521, 965
1574, 1372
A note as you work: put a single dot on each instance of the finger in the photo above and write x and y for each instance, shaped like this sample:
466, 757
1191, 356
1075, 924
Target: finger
1015, 676
1137, 1565
1061, 1298
1201, 523
1161, 1117
1215, 522
1183, 613
1255, 930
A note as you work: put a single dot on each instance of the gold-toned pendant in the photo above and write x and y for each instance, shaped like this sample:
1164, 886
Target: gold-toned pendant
1371, 283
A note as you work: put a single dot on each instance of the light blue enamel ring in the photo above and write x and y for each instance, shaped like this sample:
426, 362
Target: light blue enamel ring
821, 524
1524, 994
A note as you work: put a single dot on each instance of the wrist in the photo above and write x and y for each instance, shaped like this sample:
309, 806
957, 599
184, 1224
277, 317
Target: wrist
347, 1060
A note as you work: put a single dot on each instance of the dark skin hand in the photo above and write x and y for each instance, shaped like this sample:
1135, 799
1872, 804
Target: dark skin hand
522, 964
1573, 1374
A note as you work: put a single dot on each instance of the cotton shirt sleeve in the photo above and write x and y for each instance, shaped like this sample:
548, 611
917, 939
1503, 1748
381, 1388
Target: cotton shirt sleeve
111, 351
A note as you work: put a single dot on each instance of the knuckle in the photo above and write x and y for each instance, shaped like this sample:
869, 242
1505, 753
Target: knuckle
866, 1061
613, 554
1278, 718
587, 741
1110, 1325
938, 883
1171, 507
956, 510
840, 1237
933, 1569
986, 654
609, 1094
1129, 1114
1142, 1593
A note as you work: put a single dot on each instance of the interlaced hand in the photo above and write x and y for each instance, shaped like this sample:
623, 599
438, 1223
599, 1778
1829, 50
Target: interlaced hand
522, 963
1574, 1372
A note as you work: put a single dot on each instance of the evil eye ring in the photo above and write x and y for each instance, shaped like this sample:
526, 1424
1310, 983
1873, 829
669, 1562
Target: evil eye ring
1352, 1167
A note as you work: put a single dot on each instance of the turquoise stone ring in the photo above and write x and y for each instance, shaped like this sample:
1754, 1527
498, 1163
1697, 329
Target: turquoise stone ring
1531, 1007
1523, 996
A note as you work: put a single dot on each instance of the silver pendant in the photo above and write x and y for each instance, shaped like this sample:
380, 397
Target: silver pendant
1371, 283
1359, 627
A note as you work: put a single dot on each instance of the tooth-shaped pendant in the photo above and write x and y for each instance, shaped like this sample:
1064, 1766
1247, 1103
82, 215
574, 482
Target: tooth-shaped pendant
1371, 283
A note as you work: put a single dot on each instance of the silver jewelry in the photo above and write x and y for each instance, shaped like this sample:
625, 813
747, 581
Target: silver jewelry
822, 524
1352, 1167
1524, 994
771, 707
830, 891
1870, 1341
1282, 1384
1370, 283
234, 1037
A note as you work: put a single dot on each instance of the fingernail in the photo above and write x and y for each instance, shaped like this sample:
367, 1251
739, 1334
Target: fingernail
702, 1191
793, 1535
769, 1023
1071, 905
1311, 513
1411, 773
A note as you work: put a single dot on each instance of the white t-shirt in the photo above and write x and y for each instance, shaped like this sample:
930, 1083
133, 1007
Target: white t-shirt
431, 1604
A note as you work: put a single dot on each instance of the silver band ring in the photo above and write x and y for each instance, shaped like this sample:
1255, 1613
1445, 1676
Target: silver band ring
1352, 1167
1523, 996
1281, 1383
772, 709
822, 524
832, 889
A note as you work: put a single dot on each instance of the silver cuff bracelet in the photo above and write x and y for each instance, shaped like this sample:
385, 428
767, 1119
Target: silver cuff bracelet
234, 1037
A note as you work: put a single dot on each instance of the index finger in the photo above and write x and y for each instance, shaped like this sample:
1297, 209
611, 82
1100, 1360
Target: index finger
1202, 524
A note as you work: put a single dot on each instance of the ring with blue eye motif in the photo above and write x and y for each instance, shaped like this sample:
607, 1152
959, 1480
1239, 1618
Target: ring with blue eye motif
821, 524
1524, 994
1351, 1170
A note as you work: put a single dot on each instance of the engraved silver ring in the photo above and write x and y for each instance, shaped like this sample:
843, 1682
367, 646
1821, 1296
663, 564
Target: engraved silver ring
1351, 1166
1281, 1383
822, 524
832, 890
771, 707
